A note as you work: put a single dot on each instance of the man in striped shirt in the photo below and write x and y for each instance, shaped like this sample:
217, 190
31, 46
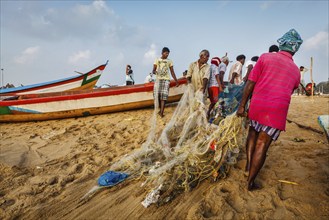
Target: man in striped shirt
271, 82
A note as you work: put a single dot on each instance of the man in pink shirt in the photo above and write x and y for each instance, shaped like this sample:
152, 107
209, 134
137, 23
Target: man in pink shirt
271, 82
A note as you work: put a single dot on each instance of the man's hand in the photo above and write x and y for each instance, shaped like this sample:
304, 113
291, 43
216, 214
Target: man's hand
220, 89
177, 84
241, 112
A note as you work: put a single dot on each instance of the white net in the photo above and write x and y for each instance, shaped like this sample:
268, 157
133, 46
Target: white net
188, 150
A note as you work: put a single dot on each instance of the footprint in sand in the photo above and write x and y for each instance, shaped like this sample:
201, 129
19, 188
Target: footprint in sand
76, 168
67, 180
7, 202
52, 180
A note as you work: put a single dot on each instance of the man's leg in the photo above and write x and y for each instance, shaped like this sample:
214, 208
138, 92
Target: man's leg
250, 145
258, 158
162, 106
209, 110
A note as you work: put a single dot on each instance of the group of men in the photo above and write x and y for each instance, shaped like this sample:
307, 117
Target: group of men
269, 80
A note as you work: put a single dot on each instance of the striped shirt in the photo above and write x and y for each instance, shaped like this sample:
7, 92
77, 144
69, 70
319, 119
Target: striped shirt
276, 76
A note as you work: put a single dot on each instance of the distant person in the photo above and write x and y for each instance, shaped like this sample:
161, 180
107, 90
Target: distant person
302, 71
249, 65
214, 83
199, 71
161, 68
185, 73
149, 78
235, 76
222, 69
129, 76
272, 81
273, 49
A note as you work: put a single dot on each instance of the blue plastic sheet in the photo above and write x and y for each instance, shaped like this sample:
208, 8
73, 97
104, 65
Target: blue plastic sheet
231, 97
111, 178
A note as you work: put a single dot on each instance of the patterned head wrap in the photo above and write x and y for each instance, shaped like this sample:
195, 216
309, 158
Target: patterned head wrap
216, 61
290, 41
225, 59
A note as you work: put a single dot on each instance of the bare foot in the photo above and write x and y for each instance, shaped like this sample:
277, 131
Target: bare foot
246, 169
253, 186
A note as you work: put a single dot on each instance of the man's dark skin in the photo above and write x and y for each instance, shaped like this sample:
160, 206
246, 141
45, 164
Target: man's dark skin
163, 102
257, 143
202, 60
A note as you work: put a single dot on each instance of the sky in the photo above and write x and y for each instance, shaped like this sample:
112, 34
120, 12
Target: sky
48, 40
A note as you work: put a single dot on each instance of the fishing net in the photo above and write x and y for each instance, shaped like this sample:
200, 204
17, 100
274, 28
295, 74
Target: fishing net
189, 149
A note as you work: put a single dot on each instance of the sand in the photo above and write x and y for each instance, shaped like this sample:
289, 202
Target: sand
47, 167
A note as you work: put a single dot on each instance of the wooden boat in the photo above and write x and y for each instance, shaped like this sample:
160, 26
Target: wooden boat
84, 81
69, 104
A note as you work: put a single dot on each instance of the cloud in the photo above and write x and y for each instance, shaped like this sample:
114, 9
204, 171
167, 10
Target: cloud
95, 7
320, 40
79, 57
83, 21
266, 5
150, 55
28, 55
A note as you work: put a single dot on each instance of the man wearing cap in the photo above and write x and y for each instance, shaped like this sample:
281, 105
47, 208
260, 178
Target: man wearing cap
222, 69
216, 81
198, 72
214, 84
272, 81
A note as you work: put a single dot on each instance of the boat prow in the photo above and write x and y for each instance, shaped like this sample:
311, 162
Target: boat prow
85, 81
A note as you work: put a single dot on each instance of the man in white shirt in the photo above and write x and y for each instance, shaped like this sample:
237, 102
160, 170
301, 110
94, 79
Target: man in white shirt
149, 78
129, 76
302, 71
216, 80
214, 84
249, 65
235, 76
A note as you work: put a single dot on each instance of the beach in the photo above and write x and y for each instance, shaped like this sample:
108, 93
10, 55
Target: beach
47, 167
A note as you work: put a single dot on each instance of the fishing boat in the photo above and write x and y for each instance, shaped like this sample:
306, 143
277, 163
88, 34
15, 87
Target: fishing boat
37, 107
83, 81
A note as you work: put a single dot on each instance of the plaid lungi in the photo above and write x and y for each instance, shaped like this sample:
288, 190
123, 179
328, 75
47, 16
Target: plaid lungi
163, 89
272, 132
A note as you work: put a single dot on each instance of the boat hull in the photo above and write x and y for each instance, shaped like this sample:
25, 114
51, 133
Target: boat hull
99, 101
84, 81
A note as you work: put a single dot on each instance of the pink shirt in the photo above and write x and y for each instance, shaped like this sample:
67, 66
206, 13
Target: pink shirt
276, 76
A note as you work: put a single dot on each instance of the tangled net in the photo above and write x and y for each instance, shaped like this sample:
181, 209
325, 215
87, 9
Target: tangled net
188, 150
